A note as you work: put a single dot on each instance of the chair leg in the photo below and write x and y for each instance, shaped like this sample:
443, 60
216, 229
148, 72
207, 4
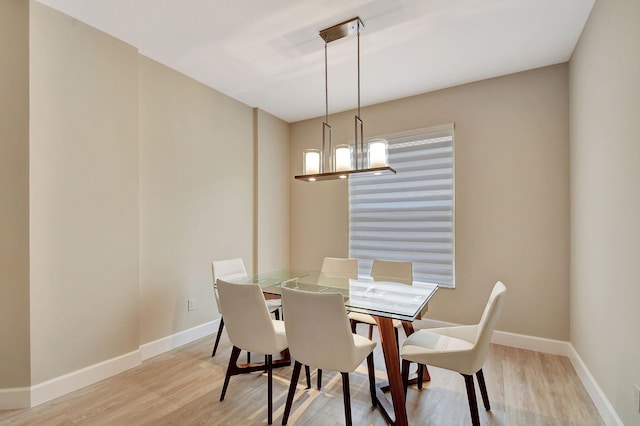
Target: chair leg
420, 375
235, 353
307, 372
347, 398
353, 326
267, 361
292, 390
405, 374
370, 332
473, 403
215, 345
372, 379
483, 389
248, 357
276, 313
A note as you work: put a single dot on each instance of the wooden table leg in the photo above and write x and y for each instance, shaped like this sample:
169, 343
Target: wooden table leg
398, 416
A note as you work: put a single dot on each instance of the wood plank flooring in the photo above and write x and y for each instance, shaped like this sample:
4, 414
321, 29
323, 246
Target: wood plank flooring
182, 387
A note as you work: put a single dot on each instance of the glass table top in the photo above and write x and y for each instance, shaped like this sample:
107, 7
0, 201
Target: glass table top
362, 294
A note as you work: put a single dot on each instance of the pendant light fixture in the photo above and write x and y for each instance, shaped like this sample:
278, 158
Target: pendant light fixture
345, 160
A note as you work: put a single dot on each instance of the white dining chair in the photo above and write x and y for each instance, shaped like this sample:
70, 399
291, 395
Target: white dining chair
230, 269
462, 349
397, 271
340, 266
384, 270
392, 270
319, 336
332, 267
250, 328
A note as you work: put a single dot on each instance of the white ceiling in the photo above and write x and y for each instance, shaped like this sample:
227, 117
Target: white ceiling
267, 53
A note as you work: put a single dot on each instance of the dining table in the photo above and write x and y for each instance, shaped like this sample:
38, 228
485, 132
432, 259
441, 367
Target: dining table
386, 300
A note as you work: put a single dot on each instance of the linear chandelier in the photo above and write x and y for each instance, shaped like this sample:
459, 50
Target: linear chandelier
344, 160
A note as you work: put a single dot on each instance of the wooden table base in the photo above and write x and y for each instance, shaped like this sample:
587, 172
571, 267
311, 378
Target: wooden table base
235, 368
394, 411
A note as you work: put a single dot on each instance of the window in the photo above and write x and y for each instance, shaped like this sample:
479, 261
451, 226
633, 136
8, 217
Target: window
408, 216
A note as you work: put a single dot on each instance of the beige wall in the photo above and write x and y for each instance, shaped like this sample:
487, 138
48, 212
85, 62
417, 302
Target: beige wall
196, 196
140, 177
83, 195
14, 194
512, 191
272, 191
120, 185
605, 201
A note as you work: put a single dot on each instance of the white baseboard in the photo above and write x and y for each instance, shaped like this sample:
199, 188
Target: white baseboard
532, 343
554, 347
157, 347
13, 398
25, 397
601, 402
46, 391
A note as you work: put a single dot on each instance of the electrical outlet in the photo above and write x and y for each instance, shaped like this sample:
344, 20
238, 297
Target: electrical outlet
637, 392
191, 304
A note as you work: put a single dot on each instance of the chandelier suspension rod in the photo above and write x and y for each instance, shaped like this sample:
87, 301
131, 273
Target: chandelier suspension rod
314, 161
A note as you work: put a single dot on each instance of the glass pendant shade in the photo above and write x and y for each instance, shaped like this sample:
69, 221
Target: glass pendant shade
377, 153
311, 161
343, 158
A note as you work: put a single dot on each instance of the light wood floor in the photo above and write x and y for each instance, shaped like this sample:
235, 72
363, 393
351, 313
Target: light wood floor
182, 387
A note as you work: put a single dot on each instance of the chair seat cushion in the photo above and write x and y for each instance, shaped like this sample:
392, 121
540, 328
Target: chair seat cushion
368, 319
461, 348
426, 347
